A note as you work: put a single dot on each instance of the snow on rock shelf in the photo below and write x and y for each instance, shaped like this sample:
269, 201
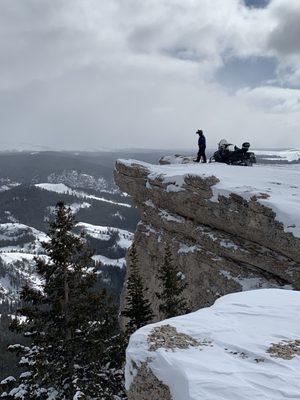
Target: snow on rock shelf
244, 347
267, 184
239, 227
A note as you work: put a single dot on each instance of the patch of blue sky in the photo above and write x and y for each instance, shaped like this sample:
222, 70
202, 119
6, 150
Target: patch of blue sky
256, 3
247, 72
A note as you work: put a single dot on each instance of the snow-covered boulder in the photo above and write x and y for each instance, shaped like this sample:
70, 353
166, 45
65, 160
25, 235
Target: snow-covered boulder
176, 159
244, 347
230, 228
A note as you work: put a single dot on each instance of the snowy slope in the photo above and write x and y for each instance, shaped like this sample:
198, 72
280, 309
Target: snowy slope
123, 241
18, 268
75, 207
12, 233
7, 184
64, 189
13, 230
104, 233
247, 348
114, 262
19, 244
279, 155
77, 180
279, 184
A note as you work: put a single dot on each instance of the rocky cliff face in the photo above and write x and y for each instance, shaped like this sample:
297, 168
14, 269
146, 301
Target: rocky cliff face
230, 228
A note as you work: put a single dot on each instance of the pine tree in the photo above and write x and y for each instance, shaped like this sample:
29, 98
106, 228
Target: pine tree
75, 350
138, 308
172, 286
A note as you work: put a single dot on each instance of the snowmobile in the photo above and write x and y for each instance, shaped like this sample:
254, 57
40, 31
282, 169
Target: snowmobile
229, 154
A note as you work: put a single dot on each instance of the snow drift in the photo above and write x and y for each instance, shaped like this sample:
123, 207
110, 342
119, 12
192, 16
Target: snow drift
244, 347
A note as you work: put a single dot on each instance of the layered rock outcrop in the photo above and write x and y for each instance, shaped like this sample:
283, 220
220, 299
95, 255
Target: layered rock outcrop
229, 228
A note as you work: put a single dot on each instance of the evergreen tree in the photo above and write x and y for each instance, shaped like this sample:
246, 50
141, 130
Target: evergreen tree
138, 308
172, 285
75, 349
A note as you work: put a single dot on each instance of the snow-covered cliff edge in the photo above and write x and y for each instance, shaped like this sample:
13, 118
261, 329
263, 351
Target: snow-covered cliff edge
244, 347
230, 228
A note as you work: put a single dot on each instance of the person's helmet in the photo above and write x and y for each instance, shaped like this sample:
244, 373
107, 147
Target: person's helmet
199, 132
222, 144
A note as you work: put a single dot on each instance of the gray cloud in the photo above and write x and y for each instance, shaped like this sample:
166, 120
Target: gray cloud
285, 37
76, 74
254, 71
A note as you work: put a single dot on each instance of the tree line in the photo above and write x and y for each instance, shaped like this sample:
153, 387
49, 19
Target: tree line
171, 287
74, 348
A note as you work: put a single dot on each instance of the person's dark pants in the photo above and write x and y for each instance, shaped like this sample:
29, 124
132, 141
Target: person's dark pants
201, 154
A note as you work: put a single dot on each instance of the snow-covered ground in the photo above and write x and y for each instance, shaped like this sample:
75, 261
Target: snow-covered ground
247, 348
104, 233
10, 258
77, 180
6, 184
64, 189
114, 262
279, 155
23, 243
123, 241
279, 184
12, 232
21, 268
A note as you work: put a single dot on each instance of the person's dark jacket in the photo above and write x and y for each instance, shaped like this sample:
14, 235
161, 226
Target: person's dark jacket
202, 142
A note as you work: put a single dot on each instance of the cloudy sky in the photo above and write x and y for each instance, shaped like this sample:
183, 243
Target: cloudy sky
91, 74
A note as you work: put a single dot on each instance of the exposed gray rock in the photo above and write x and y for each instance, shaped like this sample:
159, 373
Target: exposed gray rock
167, 337
146, 386
222, 246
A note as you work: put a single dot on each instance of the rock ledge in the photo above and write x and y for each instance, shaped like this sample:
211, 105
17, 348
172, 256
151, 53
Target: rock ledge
229, 228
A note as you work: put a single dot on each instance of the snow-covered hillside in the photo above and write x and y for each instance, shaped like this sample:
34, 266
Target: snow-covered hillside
17, 268
7, 184
15, 237
289, 155
124, 239
77, 180
244, 347
64, 189
19, 244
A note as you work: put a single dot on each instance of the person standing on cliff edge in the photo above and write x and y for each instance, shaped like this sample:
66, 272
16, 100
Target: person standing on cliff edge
202, 147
